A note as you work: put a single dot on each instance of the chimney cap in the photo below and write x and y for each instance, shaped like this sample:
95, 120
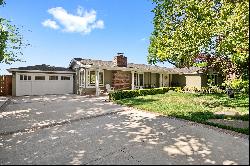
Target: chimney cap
120, 53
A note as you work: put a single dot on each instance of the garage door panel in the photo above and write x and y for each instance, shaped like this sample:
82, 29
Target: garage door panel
24, 88
42, 87
39, 87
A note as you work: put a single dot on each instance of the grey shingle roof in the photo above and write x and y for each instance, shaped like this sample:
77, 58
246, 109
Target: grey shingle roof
187, 70
136, 66
43, 67
95, 62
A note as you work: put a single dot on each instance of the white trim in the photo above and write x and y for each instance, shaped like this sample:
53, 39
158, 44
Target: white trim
133, 80
88, 78
18, 76
40, 71
97, 82
136, 70
137, 81
82, 78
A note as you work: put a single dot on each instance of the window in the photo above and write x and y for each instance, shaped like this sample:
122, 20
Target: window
91, 78
135, 79
138, 79
141, 79
212, 79
82, 77
53, 77
100, 78
25, 77
39, 77
65, 78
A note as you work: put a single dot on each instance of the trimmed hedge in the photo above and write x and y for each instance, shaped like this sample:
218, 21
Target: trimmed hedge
118, 95
122, 94
204, 90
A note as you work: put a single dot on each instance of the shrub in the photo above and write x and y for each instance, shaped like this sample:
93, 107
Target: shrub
215, 89
240, 85
118, 95
204, 90
178, 89
191, 89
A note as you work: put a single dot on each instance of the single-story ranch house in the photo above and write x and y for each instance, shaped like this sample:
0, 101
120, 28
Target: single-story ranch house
86, 76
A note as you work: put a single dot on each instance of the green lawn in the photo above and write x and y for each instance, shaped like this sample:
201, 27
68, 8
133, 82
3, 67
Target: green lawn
194, 107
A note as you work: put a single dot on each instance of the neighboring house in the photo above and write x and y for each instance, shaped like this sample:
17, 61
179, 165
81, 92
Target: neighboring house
41, 79
86, 76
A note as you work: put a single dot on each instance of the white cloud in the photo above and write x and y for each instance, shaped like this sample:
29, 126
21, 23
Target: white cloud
83, 22
98, 24
50, 23
143, 39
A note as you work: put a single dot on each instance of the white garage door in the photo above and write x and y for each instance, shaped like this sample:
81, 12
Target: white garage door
41, 84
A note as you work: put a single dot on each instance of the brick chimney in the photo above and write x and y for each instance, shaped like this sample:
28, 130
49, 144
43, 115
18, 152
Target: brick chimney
120, 60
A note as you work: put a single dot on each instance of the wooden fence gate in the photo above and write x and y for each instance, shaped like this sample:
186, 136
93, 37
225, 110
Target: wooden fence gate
5, 85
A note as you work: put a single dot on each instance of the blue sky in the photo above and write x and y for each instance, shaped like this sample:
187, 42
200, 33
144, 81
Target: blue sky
95, 29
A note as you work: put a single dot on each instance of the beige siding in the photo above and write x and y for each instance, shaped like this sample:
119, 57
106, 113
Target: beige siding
193, 81
146, 79
108, 77
165, 80
155, 79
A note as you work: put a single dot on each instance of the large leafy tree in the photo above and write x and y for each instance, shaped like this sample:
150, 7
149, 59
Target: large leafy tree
206, 33
11, 41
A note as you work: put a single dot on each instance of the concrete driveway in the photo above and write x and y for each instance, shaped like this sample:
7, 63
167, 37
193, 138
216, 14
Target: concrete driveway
71, 129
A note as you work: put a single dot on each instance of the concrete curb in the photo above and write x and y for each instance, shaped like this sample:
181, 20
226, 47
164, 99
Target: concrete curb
4, 105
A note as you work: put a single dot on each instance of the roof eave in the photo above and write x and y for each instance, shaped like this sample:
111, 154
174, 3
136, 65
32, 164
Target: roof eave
39, 71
